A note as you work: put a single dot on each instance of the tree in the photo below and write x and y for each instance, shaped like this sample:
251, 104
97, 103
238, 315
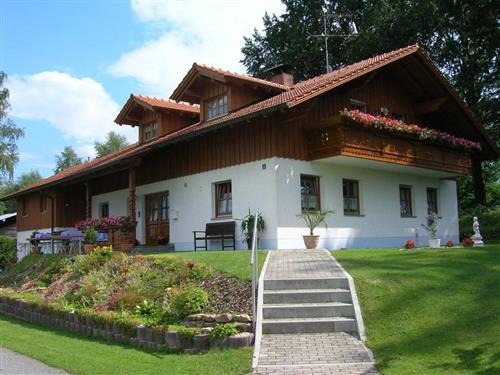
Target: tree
21, 182
67, 158
9, 134
113, 143
461, 37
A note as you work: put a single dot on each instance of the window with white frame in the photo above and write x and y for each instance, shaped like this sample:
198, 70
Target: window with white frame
350, 191
309, 193
223, 199
432, 201
104, 209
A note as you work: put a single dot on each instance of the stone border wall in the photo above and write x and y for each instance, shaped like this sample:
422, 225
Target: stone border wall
141, 337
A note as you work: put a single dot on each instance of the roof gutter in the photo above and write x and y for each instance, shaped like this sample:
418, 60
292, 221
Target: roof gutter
149, 149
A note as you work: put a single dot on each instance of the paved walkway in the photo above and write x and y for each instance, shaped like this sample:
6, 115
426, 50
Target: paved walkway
310, 353
12, 363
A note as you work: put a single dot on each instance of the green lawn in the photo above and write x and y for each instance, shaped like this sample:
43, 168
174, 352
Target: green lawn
79, 355
231, 263
430, 311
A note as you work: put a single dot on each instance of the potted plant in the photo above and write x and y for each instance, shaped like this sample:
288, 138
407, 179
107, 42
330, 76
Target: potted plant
247, 225
90, 239
431, 228
312, 220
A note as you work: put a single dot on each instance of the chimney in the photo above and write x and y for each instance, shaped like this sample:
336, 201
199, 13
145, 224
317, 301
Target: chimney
279, 74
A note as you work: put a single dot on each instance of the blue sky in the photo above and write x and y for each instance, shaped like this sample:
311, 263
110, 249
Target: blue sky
72, 64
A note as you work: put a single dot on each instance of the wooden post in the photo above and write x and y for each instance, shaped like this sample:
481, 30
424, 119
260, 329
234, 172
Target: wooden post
131, 191
88, 197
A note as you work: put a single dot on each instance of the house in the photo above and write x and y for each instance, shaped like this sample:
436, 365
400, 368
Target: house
8, 225
224, 143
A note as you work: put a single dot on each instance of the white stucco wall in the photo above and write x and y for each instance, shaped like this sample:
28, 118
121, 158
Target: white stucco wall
192, 204
380, 223
275, 191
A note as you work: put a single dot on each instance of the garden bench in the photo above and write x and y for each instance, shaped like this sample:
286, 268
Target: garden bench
216, 231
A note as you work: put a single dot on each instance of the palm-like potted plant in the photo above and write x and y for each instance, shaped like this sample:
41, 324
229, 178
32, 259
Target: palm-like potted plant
90, 239
247, 225
312, 220
431, 228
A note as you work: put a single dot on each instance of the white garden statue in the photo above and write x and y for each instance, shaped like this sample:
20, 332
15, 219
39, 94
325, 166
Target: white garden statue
476, 237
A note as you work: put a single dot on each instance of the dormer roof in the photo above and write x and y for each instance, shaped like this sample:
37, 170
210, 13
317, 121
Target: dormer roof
182, 91
151, 103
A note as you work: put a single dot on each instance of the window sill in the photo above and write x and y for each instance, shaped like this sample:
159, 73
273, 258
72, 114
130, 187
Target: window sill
221, 218
408, 217
355, 215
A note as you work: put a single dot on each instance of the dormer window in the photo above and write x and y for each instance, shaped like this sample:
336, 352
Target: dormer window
216, 106
151, 131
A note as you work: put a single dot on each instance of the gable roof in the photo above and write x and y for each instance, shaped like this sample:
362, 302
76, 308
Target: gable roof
152, 103
288, 98
222, 76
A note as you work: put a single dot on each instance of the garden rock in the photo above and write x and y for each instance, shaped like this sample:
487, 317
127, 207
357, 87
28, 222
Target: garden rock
206, 330
223, 318
242, 318
201, 342
244, 327
172, 340
195, 317
209, 317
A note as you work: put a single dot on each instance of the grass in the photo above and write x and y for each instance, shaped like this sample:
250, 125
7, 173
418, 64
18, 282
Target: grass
79, 355
430, 311
230, 263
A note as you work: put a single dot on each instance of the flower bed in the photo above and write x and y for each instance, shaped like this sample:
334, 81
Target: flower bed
129, 298
104, 223
396, 126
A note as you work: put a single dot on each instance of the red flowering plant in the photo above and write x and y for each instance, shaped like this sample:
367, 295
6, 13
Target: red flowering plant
396, 126
409, 244
450, 244
105, 222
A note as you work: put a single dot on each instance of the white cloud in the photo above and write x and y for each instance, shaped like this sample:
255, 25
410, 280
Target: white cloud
209, 32
79, 107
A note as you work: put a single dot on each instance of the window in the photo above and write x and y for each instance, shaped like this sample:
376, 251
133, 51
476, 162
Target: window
223, 199
351, 197
216, 106
104, 209
309, 193
151, 131
405, 202
43, 203
432, 202
24, 206
359, 105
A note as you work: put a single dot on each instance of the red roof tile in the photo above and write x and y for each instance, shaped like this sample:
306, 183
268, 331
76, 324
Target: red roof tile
290, 97
220, 74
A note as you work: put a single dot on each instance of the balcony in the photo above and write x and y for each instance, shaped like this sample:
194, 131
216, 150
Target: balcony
345, 139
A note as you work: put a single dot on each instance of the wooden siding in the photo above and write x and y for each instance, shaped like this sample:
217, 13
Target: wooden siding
34, 219
346, 140
283, 134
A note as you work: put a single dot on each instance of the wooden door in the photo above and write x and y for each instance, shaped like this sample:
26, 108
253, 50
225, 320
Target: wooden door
157, 222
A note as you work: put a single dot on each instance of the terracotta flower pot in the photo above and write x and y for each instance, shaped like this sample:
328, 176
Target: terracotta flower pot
311, 242
88, 248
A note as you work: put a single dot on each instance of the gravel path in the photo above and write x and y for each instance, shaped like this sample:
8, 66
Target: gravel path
12, 363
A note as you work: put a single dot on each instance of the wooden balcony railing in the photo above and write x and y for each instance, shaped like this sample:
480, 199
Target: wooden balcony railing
349, 140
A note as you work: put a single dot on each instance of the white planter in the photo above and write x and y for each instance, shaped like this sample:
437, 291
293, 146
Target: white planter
436, 244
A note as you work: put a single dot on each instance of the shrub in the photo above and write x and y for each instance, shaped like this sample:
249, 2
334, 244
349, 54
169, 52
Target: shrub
450, 244
221, 331
186, 334
146, 308
90, 236
200, 271
188, 301
489, 224
97, 258
7, 252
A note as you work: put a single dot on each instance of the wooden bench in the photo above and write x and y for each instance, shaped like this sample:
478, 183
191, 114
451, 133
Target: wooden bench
216, 231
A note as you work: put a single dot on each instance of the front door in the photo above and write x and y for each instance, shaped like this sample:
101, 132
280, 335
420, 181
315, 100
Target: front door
157, 223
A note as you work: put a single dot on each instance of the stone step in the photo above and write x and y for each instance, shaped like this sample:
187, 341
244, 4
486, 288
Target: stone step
309, 325
308, 310
307, 296
324, 283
